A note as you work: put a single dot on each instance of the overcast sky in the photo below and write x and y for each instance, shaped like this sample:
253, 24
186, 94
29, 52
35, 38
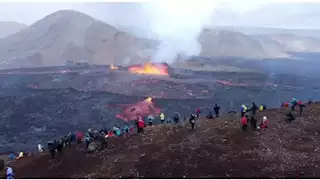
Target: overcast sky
179, 23
222, 12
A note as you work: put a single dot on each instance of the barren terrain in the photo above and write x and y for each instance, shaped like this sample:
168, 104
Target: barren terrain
38, 105
217, 149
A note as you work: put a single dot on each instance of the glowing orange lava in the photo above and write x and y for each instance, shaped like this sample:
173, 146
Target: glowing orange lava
113, 67
149, 68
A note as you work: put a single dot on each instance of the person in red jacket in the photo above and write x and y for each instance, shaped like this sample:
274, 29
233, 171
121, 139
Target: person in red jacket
264, 123
244, 122
198, 111
79, 136
141, 125
110, 134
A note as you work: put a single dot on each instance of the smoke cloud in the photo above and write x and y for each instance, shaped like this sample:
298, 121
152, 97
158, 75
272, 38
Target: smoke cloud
178, 25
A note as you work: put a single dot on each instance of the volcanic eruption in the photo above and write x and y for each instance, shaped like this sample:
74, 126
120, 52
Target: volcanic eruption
113, 67
150, 69
142, 108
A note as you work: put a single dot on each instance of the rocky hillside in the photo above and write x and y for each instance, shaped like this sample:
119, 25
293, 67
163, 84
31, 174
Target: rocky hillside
290, 43
217, 149
231, 43
70, 35
8, 28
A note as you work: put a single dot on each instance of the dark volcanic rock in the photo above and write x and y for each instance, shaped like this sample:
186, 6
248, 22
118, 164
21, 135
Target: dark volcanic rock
39, 107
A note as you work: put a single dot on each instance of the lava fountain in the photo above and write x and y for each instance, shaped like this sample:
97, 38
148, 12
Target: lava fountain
149, 69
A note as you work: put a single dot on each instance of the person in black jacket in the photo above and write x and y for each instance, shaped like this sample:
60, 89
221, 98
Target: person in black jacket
192, 120
254, 108
301, 106
253, 122
52, 148
216, 109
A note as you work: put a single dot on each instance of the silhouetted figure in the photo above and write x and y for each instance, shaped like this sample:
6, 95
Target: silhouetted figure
192, 120
301, 106
176, 117
254, 108
52, 148
253, 122
216, 109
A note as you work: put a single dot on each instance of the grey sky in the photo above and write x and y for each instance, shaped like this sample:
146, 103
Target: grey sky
284, 13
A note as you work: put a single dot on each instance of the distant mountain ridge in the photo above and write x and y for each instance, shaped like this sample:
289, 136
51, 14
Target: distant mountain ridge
8, 28
70, 35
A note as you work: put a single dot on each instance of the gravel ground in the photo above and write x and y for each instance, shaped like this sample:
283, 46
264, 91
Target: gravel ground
217, 149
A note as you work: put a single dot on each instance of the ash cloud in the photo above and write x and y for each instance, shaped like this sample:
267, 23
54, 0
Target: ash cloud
177, 26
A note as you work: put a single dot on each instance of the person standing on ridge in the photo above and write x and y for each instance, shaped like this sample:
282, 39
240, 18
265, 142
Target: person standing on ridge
52, 148
243, 110
150, 120
301, 106
192, 121
176, 117
253, 122
254, 108
293, 103
244, 122
264, 123
9, 172
198, 111
141, 125
216, 109
162, 118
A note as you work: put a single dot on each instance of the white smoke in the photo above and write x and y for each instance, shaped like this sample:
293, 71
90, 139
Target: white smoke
178, 25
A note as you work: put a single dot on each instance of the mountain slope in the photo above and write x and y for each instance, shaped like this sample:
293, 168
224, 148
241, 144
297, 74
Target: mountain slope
314, 33
8, 28
69, 35
291, 43
216, 149
231, 43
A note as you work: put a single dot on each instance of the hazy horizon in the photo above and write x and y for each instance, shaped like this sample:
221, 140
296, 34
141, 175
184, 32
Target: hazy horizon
178, 25
267, 13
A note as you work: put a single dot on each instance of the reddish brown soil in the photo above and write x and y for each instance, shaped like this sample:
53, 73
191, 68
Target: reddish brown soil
217, 148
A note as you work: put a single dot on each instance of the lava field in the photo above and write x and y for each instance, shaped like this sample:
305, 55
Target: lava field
37, 106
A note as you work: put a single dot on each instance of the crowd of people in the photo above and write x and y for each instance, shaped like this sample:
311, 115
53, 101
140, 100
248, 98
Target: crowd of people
97, 140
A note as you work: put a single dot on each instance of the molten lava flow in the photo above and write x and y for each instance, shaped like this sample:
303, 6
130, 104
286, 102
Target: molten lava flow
142, 108
149, 68
113, 67
149, 100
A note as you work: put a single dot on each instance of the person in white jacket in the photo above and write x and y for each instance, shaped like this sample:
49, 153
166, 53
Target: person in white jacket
40, 148
9, 173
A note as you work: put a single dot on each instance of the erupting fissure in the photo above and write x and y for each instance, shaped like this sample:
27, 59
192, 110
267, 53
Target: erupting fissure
113, 67
149, 68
